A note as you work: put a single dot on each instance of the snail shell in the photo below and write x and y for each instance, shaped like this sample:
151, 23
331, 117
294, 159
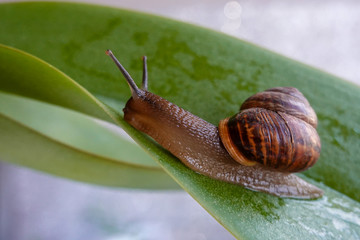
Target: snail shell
275, 128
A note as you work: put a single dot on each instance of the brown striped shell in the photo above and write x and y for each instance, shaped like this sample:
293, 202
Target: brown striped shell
275, 128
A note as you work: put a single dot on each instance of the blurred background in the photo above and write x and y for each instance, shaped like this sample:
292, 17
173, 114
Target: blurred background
34, 205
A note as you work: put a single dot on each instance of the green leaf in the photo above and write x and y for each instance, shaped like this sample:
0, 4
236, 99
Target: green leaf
50, 85
73, 145
209, 74
46, 83
76, 130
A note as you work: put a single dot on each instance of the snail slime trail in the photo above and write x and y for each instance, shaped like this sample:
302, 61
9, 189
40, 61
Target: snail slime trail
273, 135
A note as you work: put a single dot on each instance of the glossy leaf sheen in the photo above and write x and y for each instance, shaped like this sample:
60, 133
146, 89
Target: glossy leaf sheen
20, 144
68, 151
209, 74
57, 123
77, 130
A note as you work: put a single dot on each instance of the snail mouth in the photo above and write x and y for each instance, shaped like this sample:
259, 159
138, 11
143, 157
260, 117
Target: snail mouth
129, 112
230, 147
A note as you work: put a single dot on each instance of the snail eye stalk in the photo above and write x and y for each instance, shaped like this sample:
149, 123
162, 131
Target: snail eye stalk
135, 91
145, 75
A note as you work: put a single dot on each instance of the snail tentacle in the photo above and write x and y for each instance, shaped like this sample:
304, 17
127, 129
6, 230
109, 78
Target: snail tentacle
144, 85
135, 91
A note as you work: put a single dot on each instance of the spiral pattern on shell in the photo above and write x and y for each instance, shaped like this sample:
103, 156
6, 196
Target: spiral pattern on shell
275, 128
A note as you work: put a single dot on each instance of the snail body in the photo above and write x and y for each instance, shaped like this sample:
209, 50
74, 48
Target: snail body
198, 144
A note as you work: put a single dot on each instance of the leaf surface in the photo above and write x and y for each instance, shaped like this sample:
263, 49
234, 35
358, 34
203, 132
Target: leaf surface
72, 145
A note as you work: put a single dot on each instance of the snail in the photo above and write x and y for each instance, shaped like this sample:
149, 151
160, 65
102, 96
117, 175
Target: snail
259, 148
